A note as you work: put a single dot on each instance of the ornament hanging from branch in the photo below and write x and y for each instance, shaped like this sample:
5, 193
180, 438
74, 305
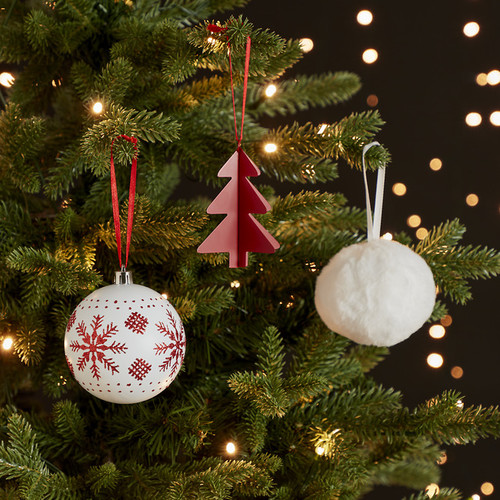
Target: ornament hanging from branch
239, 232
377, 292
124, 343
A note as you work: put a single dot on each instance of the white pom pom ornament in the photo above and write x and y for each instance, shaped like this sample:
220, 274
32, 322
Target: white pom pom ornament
124, 343
375, 293
378, 292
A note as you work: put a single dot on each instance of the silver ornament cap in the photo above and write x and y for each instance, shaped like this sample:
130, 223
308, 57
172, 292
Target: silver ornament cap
123, 277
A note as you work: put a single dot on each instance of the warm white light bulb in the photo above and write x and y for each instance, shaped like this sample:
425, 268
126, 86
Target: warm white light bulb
435, 164
493, 77
432, 489
387, 236
164, 295
471, 29
472, 199
306, 44
231, 448
487, 488
97, 107
322, 128
370, 56
7, 343
435, 360
271, 90
495, 118
473, 119
364, 17
437, 331
399, 189
270, 147
320, 450
6, 79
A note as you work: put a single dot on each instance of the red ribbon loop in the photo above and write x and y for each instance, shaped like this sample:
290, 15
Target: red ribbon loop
131, 199
245, 88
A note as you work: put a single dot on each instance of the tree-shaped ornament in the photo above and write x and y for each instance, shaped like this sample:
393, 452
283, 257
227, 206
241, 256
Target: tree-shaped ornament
239, 232
124, 343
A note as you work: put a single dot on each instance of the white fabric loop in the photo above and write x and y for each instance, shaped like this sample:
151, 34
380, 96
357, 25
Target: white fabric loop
373, 223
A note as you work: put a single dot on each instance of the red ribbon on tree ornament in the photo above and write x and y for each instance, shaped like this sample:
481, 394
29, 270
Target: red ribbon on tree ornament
131, 200
239, 233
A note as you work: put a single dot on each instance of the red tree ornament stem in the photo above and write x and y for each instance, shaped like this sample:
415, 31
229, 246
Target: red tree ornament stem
131, 199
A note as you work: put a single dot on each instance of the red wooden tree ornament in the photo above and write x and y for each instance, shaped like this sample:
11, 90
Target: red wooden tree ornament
239, 232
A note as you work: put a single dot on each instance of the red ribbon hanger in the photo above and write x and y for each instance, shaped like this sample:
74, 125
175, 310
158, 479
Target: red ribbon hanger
131, 200
218, 29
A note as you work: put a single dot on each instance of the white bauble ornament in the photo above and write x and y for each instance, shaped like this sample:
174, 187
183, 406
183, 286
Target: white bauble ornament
124, 343
376, 293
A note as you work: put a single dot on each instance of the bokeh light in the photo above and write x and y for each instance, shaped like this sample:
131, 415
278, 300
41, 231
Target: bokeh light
432, 489
493, 77
471, 29
487, 488
7, 79
414, 220
270, 90
270, 147
437, 331
435, 360
457, 372
446, 320
421, 233
370, 56
387, 236
495, 118
435, 164
364, 17
372, 100
473, 119
306, 44
482, 79
399, 189
97, 108
231, 448
7, 343
472, 199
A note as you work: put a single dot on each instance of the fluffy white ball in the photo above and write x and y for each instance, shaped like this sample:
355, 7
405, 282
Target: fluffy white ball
375, 293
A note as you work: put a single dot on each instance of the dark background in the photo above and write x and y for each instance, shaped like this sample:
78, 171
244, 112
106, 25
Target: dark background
425, 79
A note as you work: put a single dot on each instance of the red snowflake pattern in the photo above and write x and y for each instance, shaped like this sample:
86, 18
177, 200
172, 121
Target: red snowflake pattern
176, 344
94, 346
71, 321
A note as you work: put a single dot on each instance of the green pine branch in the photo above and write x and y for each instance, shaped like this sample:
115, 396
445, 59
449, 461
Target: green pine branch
303, 93
453, 265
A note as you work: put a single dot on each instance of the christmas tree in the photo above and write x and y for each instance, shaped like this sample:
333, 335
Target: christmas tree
269, 403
